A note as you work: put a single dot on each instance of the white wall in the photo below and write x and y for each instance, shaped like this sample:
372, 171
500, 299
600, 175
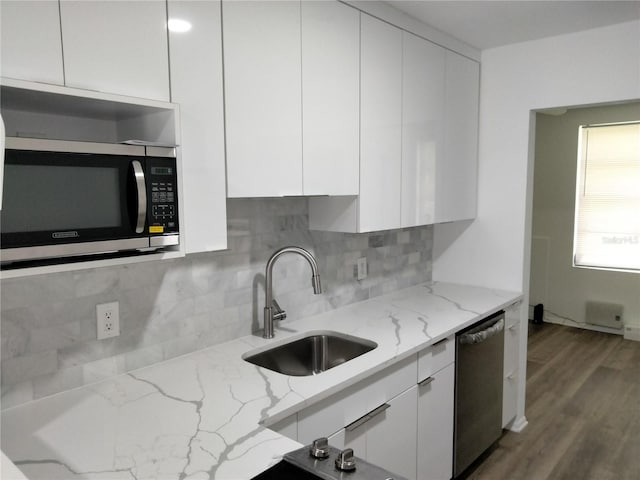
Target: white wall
563, 289
594, 66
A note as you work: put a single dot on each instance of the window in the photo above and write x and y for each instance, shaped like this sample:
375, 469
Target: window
607, 217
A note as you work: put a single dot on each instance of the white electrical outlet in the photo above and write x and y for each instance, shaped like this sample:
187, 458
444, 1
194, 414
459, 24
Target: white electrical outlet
108, 320
362, 268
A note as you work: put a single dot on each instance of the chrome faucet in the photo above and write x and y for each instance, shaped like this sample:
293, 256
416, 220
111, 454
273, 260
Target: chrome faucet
272, 310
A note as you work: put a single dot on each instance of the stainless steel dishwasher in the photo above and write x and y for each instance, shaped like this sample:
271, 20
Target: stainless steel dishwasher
478, 390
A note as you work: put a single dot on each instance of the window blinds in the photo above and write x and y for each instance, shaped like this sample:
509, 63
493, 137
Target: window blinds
607, 216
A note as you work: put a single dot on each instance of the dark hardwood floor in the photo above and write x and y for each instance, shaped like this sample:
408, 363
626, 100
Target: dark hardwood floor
583, 409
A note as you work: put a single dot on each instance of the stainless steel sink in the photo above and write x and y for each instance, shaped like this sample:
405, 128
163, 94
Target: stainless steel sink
312, 354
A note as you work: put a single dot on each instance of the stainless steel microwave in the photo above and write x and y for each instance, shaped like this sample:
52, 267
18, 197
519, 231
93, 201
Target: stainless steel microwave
66, 199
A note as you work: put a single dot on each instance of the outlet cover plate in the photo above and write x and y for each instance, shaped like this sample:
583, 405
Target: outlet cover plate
108, 320
362, 268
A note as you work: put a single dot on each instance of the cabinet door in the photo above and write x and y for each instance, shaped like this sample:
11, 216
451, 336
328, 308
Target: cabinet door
371, 440
116, 47
355, 439
380, 125
511, 363
31, 46
263, 99
456, 176
330, 98
423, 70
435, 426
196, 84
391, 436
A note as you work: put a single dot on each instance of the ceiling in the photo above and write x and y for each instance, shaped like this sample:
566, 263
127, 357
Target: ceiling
486, 24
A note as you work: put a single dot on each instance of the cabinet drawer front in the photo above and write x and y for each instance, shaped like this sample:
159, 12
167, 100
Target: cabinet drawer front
512, 314
339, 410
332, 414
391, 382
436, 357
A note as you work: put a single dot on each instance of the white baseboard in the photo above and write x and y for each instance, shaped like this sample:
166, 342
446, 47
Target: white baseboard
632, 332
552, 318
519, 424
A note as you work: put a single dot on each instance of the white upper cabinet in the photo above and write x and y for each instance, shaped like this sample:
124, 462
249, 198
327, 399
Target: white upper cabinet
292, 104
423, 111
380, 125
196, 84
116, 47
456, 176
263, 98
31, 47
330, 98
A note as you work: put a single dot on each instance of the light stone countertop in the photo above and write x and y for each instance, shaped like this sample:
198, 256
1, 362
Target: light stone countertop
199, 416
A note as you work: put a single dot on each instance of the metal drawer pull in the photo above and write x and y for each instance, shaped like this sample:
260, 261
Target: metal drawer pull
364, 419
426, 382
440, 342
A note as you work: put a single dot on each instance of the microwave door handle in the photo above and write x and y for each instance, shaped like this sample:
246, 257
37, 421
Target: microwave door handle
138, 175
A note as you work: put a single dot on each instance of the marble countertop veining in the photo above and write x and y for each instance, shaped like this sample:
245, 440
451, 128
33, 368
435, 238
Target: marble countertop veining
200, 416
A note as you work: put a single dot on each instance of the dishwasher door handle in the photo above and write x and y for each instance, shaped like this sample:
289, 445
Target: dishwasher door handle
482, 335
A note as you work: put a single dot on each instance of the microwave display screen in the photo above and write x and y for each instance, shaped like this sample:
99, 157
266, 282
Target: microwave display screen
161, 171
54, 197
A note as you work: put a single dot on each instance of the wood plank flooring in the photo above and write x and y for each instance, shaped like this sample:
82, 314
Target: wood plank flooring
583, 409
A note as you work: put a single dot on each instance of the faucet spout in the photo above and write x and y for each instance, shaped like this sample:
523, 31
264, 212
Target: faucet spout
274, 312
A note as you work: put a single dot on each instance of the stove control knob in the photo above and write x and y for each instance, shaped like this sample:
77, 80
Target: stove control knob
320, 448
345, 460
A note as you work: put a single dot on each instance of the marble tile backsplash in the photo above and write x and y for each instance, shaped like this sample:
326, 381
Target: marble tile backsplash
174, 307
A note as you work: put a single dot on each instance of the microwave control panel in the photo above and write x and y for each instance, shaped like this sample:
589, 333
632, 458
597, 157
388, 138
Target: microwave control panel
162, 195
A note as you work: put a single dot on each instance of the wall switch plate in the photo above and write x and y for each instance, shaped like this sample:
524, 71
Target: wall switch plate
362, 268
108, 320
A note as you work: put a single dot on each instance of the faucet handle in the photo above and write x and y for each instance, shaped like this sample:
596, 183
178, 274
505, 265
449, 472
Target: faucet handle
278, 313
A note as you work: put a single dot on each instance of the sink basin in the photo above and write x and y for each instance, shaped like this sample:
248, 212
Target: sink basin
312, 354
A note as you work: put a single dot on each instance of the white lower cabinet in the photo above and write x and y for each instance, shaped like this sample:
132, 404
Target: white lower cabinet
511, 363
435, 425
391, 436
388, 437
391, 421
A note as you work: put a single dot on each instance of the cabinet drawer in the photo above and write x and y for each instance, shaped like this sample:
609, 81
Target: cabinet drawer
436, 357
333, 413
512, 314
